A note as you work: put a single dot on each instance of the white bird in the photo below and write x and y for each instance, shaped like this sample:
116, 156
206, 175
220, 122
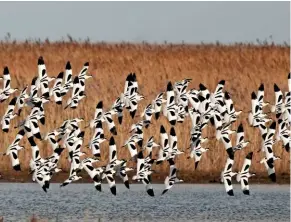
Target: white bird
226, 176
7, 90
165, 146
143, 175
244, 175
172, 178
68, 84
171, 109
157, 104
9, 115
56, 90
21, 100
97, 139
77, 94
13, 149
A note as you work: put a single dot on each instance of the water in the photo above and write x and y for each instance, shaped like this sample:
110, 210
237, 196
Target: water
184, 202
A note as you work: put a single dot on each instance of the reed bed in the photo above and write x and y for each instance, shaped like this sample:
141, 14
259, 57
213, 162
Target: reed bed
243, 66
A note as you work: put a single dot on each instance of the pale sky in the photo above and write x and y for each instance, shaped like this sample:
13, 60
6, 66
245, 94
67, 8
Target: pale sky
191, 22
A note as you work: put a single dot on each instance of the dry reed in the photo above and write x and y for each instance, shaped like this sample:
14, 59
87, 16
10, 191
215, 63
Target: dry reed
243, 66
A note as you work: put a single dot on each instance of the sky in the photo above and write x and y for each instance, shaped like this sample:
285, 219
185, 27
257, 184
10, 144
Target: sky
191, 22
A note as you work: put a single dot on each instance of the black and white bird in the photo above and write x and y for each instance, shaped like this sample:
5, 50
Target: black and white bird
20, 103
7, 90
9, 115
244, 175
13, 149
171, 179
227, 174
56, 90
77, 94
171, 109
143, 174
110, 167
157, 104
164, 150
97, 139
68, 83
121, 171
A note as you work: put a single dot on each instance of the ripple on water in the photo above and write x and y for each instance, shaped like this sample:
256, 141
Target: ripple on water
184, 202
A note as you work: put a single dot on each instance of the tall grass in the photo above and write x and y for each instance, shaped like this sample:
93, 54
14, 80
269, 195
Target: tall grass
243, 66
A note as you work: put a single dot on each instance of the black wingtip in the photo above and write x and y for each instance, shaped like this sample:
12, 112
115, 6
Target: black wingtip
38, 136
226, 95
40, 61
47, 184
202, 87
140, 155
98, 187
133, 77
151, 192
44, 188
273, 177
33, 81
172, 131
113, 190
196, 164
221, 82
46, 95
173, 122
240, 128
61, 75
129, 77
140, 142
132, 113
120, 119
86, 64
162, 129
230, 153
99, 105
289, 75
68, 65
5, 130
126, 183
249, 155
98, 155
169, 87
164, 191
111, 141
246, 192
276, 88
42, 120
230, 193
261, 88
157, 115
76, 80
17, 167
254, 96
59, 150
6, 70
81, 134
273, 125
59, 102
113, 131
287, 147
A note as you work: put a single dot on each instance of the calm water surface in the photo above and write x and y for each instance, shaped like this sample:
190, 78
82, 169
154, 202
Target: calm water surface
184, 202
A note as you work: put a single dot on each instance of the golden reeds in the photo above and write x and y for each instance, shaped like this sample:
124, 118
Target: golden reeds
243, 66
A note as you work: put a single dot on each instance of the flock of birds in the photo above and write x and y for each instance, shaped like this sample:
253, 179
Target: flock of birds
203, 107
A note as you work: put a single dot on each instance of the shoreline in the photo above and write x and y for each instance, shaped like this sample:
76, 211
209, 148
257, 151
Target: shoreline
189, 178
